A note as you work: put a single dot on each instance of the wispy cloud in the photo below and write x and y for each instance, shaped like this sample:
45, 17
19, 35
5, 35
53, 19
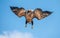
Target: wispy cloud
16, 34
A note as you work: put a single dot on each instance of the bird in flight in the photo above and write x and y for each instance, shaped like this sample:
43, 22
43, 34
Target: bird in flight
30, 14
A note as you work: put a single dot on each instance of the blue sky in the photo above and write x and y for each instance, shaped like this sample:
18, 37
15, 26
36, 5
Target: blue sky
48, 27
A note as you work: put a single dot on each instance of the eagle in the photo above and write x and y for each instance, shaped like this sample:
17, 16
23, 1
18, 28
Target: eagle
29, 15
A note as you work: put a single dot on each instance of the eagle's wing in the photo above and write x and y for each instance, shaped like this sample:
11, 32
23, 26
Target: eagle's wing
18, 11
39, 14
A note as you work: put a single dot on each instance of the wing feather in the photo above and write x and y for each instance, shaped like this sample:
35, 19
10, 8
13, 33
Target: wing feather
18, 11
46, 13
38, 13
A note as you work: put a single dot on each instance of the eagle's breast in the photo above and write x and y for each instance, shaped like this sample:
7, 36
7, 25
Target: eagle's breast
29, 16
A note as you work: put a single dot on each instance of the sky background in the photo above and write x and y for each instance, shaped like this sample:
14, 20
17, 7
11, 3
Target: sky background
48, 27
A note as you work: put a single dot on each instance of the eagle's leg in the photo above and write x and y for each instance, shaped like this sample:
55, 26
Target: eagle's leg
32, 24
26, 23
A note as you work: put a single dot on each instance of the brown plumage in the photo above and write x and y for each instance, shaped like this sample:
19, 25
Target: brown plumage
29, 14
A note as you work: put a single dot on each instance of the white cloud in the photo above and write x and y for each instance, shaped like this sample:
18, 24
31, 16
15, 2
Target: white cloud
16, 34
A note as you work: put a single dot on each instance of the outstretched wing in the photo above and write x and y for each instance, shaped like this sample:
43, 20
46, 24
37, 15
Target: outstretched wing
18, 11
39, 14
